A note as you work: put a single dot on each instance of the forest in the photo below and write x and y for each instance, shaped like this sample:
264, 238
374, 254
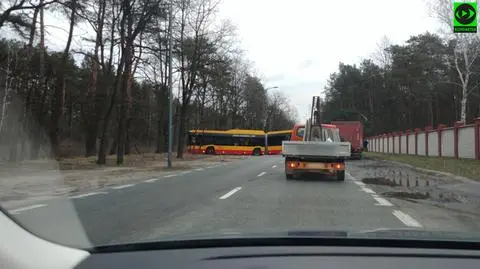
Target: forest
431, 79
425, 82
110, 95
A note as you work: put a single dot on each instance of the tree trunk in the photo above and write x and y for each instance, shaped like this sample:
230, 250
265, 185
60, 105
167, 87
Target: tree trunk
128, 137
113, 148
160, 136
463, 107
39, 95
181, 131
59, 95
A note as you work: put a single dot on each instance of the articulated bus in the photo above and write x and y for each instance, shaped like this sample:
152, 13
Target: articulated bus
275, 139
234, 141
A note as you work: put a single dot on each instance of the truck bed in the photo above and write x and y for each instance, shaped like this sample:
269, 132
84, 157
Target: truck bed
316, 149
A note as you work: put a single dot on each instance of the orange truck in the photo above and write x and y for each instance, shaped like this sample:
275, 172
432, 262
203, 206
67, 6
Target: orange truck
315, 149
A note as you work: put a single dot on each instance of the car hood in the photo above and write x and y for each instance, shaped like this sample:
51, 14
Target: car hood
380, 233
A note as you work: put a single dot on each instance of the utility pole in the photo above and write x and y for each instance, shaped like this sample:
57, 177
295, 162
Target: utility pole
170, 87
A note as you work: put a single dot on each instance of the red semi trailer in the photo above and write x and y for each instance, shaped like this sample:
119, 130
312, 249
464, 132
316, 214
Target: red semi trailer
352, 131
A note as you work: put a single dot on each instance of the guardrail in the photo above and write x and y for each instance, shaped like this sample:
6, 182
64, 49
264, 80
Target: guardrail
458, 141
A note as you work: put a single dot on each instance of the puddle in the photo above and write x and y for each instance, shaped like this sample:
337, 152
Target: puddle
407, 195
379, 181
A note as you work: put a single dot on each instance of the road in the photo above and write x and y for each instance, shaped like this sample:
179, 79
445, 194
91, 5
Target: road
245, 195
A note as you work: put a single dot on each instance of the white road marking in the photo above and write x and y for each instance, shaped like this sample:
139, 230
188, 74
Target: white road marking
213, 166
185, 172
123, 186
381, 201
261, 174
199, 169
406, 219
368, 190
274, 166
359, 183
30, 207
230, 193
151, 180
87, 194
167, 176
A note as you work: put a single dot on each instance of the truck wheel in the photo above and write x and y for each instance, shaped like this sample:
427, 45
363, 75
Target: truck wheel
210, 150
289, 176
341, 175
257, 152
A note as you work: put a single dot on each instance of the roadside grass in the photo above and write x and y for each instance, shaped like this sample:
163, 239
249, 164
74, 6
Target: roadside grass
462, 167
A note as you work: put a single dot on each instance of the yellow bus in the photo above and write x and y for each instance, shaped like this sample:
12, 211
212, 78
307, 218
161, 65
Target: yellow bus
234, 141
274, 141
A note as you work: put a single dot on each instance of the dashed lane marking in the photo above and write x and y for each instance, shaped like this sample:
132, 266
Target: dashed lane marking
230, 193
87, 194
261, 174
199, 169
368, 190
151, 180
406, 219
273, 166
167, 176
381, 201
30, 207
359, 183
123, 186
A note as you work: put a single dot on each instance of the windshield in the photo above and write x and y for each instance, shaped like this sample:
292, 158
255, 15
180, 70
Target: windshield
169, 119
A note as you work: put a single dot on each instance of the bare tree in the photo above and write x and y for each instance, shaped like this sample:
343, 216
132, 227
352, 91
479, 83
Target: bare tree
466, 50
195, 50
91, 106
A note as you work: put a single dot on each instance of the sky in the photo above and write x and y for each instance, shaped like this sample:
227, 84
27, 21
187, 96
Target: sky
296, 45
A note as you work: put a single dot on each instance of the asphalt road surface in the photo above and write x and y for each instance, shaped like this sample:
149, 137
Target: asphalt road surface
246, 195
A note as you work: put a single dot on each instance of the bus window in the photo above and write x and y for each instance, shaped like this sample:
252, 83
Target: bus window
207, 140
257, 141
223, 140
276, 140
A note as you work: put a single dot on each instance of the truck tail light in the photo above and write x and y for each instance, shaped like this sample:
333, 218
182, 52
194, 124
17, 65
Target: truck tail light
337, 165
293, 164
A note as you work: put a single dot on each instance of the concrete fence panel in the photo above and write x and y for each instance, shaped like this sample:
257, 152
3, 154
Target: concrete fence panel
411, 144
433, 144
396, 150
390, 144
448, 148
465, 147
403, 141
421, 144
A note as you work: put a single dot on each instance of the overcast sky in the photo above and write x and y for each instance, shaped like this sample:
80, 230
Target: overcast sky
295, 45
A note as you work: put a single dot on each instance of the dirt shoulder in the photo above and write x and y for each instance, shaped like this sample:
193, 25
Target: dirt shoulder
43, 179
458, 167
405, 182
